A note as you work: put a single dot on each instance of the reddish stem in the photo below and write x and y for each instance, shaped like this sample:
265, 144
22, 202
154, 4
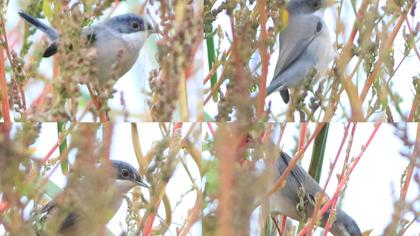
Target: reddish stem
211, 129
299, 154
98, 105
338, 153
302, 135
147, 230
264, 58
387, 45
412, 165
177, 126
343, 181
3, 84
283, 225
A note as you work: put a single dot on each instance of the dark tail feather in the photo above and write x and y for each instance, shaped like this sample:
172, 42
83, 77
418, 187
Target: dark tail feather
52, 33
285, 95
51, 49
343, 224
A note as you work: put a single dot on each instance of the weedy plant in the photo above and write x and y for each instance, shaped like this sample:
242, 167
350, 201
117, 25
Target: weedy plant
26, 185
176, 55
236, 183
373, 41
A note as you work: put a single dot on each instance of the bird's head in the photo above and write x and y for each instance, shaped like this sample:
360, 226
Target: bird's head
127, 177
134, 29
307, 6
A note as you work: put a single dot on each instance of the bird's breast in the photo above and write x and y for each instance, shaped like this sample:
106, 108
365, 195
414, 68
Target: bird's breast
322, 50
115, 58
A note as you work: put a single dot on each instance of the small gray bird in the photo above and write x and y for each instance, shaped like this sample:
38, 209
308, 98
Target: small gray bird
296, 200
117, 41
73, 212
305, 45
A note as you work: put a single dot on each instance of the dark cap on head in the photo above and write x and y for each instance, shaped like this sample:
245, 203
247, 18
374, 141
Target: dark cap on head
304, 6
126, 171
129, 23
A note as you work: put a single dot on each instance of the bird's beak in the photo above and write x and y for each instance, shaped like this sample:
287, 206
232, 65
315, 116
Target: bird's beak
151, 27
142, 184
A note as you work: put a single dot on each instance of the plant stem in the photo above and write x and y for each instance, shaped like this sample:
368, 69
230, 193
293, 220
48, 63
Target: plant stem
5, 108
63, 147
264, 59
211, 55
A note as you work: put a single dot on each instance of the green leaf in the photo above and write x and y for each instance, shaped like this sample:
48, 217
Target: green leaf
46, 8
315, 168
63, 148
211, 174
207, 117
211, 56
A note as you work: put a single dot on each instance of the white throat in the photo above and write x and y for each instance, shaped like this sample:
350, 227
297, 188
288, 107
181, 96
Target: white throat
121, 187
135, 40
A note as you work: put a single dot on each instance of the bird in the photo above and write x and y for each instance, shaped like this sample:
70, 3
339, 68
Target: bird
84, 210
117, 41
305, 45
290, 201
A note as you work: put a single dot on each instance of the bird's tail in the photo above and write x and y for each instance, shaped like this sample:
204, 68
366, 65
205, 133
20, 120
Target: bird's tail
284, 93
344, 225
51, 32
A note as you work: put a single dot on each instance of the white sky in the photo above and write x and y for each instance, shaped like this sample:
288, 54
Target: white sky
373, 185
402, 80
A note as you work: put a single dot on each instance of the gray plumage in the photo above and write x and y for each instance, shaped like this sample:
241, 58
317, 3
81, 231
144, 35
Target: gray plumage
50, 32
288, 200
117, 41
128, 172
304, 44
72, 219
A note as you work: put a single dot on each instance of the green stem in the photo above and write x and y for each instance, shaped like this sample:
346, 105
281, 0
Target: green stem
211, 55
63, 147
315, 168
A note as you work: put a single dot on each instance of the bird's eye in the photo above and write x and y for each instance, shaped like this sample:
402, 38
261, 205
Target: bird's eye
135, 25
316, 4
125, 173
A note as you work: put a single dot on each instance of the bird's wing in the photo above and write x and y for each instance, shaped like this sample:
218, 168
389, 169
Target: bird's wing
47, 209
295, 39
68, 221
51, 32
298, 174
53, 47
